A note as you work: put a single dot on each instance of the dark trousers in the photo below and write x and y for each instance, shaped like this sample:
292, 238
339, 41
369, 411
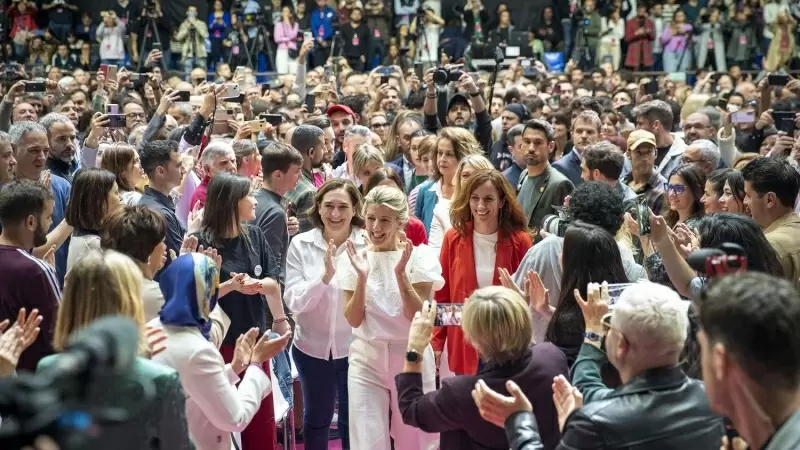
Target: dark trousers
321, 380
260, 433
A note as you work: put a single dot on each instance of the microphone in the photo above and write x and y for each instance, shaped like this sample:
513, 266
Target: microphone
108, 345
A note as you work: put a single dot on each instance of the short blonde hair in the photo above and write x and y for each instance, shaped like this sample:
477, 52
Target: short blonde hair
392, 198
692, 104
366, 154
103, 283
497, 322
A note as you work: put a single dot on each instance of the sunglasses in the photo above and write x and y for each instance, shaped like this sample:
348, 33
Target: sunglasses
676, 188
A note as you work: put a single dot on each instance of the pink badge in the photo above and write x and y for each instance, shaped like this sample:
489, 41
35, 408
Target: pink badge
743, 40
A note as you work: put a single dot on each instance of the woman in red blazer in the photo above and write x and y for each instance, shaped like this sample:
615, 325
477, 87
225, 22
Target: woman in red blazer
489, 232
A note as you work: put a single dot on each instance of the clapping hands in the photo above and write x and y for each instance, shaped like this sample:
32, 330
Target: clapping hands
16, 339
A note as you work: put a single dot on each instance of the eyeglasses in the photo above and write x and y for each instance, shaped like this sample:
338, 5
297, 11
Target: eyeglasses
675, 188
692, 161
698, 126
379, 125
136, 115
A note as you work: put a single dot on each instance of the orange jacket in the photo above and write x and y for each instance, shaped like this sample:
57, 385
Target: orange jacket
458, 270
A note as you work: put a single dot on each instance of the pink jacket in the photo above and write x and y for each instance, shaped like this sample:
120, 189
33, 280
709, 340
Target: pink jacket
286, 35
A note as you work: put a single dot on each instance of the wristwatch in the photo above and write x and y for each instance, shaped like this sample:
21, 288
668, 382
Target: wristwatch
412, 356
592, 336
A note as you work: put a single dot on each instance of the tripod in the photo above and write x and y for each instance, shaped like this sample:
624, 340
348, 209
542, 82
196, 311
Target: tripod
150, 34
580, 50
421, 22
261, 38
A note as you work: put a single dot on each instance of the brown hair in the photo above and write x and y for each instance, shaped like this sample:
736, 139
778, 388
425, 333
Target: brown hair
464, 143
332, 185
511, 218
88, 203
427, 146
384, 173
116, 159
134, 231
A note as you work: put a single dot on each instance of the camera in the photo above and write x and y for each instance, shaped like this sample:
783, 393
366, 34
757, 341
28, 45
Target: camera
556, 224
579, 17
443, 76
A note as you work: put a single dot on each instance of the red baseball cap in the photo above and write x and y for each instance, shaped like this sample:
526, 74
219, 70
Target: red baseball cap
340, 108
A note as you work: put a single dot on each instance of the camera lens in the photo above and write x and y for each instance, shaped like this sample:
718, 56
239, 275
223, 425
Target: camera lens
455, 75
441, 76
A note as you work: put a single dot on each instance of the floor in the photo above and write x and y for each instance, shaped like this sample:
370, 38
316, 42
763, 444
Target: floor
332, 445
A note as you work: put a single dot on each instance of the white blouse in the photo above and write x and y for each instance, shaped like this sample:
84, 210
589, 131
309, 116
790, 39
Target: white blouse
384, 319
440, 223
484, 248
321, 329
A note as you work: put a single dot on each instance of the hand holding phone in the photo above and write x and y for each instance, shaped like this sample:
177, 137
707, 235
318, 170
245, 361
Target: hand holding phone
643, 216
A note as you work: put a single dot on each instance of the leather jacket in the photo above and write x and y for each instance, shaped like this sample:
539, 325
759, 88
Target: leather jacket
661, 408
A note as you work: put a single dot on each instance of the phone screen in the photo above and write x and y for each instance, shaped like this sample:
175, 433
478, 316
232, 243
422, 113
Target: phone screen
743, 117
643, 215
448, 314
784, 121
311, 102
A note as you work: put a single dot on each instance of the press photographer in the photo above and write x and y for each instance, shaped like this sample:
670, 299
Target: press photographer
193, 33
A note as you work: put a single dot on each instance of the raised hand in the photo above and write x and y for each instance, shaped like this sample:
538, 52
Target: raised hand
596, 306
244, 350
538, 296
508, 282
45, 180
566, 398
18, 338
330, 262
266, 348
408, 247
359, 261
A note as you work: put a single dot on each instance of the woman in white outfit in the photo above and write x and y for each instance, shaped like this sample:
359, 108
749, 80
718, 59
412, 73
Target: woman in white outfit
612, 33
384, 286
215, 407
322, 335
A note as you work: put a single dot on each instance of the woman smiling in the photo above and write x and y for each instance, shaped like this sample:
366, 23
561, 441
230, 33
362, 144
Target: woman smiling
384, 287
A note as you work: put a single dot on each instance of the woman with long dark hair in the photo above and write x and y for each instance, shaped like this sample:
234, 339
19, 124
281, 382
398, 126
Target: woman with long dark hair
244, 250
712, 194
94, 196
732, 198
123, 161
590, 255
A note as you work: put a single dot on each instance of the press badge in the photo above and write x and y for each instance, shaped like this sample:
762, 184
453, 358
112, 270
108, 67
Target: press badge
257, 270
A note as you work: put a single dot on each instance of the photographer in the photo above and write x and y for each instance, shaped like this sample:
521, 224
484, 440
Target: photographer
193, 34
111, 36
459, 110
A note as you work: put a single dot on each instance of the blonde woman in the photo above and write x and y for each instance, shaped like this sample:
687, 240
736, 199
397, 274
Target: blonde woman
108, 283
452, 145
366, 160
384, 287
441, 212
496, 321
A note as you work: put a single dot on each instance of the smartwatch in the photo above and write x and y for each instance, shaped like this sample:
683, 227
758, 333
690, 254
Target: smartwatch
412, 356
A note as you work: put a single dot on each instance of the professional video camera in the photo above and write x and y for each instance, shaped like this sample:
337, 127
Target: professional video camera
714, 262
556, 224
149, 8
579, 17
442, 76
55, 402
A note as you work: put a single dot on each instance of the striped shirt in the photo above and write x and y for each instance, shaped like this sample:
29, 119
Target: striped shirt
28, 282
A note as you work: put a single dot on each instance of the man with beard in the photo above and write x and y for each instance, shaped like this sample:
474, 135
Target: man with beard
585, 132
501, 157
542, 187
310, 142
325, 172
134, 114
459, 111
32, 148
342, 118
644, 179
63, 140
26, 213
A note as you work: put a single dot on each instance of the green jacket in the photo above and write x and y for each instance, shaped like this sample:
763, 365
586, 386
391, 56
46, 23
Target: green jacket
586, 374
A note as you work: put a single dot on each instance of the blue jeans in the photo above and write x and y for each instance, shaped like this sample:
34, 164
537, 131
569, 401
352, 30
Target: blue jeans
60, 30
192, 63
321, 380
673, 62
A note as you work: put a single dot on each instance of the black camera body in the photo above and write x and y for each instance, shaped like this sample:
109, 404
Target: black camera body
443, 76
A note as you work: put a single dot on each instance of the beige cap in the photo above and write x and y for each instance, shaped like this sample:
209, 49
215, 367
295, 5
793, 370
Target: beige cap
639, 137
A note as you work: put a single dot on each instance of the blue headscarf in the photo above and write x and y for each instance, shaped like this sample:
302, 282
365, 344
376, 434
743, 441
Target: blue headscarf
190, 285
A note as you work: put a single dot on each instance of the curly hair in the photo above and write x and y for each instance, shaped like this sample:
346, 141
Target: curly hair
597, 203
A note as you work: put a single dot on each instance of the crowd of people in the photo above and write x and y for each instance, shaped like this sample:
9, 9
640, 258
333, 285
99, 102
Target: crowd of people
326, 223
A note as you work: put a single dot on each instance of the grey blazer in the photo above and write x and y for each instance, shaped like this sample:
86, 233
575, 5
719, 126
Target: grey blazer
556, 187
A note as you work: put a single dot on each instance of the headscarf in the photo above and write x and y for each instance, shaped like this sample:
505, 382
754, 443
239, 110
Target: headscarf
190, 285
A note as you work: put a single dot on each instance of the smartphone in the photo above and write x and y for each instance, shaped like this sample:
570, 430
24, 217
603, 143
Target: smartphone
777, 79
272, 119
157, 46
112, 72
311, 102
239, 71
308, 36
184, 96
256, 126
116, 121
238, 99
651, 87
615, 291
104, 70
231, 91
448, 314
643, 215
112, 109
419, 70
136, 77
291, 209
722, 103
35, 86
743, 117
784, 121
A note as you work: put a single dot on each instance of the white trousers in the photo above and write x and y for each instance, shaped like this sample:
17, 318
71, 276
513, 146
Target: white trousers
373, 397
284, 64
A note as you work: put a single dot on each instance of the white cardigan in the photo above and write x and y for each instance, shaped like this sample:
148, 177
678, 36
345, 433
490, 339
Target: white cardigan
214, 406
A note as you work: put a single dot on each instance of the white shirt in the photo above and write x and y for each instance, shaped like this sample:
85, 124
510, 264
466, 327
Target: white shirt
430, 53
484, 248
384, 318
321, 330
441, 219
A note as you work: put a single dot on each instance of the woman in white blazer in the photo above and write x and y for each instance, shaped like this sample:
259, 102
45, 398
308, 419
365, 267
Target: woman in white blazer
322, 335
214, 406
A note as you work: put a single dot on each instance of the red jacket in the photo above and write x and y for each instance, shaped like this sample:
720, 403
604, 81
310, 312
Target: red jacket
640, 47
199, 195
458, 270
415, 230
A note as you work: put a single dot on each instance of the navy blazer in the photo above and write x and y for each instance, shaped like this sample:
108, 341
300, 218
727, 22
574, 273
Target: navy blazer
570, 166
397, 165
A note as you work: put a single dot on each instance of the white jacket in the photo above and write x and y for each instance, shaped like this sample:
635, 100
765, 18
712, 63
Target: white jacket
214, 406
